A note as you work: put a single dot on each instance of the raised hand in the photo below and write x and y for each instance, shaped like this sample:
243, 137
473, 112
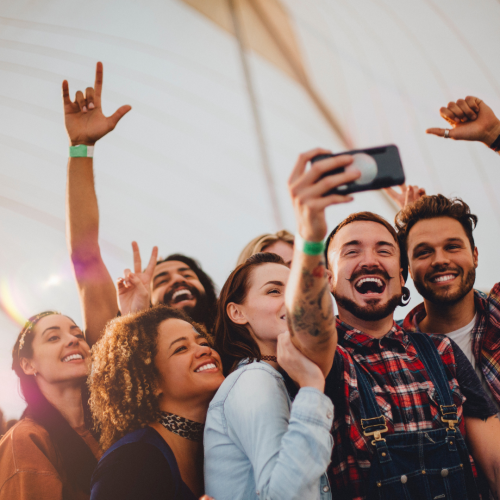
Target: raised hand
471, 120
84, 120
301, 369
407, 196
307, 191
134, 291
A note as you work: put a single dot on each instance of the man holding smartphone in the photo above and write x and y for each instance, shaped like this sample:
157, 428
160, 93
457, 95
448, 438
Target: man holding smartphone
403, 401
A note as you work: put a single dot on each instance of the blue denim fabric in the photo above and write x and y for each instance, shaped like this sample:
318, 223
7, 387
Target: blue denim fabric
260, 446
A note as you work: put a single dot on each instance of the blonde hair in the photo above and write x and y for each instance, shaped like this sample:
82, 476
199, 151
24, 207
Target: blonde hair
263, 241
124, 380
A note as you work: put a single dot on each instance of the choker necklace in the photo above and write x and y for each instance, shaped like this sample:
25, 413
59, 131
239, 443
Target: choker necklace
181, 426
269, 358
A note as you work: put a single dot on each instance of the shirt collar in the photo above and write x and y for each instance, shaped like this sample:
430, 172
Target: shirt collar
355, 337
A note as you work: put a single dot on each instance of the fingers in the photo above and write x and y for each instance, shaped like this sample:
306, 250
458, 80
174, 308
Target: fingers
65, 93
302, 161
473, 103
118, 115
330, 182
449, 116
317, 170
436, 131
89, 97
152, 262
80, 100
467, 111
137, 257
99, 74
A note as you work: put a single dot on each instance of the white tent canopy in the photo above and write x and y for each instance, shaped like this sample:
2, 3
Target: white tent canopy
185, 169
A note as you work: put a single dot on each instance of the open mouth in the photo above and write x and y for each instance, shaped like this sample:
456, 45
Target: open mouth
72, 357
210, 366
181, 295
444, 278
371, 284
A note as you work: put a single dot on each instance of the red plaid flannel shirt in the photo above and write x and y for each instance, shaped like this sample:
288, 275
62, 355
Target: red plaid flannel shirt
404, 393
485, 335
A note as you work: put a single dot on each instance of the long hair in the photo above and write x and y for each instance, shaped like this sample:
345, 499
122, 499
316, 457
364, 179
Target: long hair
77, 460
124, 379
204, 279
233, 342
260, 243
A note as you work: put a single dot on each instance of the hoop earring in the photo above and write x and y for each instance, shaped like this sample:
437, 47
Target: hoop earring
405, 298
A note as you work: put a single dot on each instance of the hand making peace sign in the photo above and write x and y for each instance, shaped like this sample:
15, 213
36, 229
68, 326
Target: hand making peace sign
84, 120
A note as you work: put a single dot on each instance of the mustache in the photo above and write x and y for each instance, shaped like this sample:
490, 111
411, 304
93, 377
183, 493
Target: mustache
167, 298
369, 272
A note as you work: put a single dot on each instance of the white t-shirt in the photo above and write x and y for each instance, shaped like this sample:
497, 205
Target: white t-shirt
463, 338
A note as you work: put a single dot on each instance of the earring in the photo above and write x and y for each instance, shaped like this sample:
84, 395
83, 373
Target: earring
34, 374
405, 297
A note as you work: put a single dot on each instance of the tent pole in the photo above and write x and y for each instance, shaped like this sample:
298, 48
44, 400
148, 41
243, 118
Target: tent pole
268, 175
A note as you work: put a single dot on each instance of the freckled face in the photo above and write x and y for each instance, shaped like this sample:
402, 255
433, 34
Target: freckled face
284, 250
190, 369
264, 306
442, 262
60, 351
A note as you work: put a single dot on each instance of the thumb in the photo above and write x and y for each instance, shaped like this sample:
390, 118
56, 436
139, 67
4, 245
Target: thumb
118, 115
440, 131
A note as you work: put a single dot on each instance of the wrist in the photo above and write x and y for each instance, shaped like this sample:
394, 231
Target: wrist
492, 135
309, 247
318, 384
81, 151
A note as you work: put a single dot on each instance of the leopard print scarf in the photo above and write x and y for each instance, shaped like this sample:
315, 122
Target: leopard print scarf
182, 426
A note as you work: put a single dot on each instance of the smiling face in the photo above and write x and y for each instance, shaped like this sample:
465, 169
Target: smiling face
263, 311
442, 262
283, 249
366, 277
176, 285
189, 369
60, 352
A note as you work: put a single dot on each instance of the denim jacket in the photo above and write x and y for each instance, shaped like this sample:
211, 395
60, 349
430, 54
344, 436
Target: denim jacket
258, 445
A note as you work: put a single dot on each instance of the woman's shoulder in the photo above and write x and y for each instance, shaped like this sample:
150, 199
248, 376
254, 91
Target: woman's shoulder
253, 378
136, 459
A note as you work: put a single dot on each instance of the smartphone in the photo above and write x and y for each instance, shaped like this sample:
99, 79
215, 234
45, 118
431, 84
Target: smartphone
380, 167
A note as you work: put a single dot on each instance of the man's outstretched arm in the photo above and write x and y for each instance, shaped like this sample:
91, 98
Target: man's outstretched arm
307, 297
85, 125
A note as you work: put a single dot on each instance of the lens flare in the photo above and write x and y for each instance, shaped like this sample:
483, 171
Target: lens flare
8, 303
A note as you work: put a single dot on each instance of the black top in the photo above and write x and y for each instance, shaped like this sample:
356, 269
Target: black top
141, 466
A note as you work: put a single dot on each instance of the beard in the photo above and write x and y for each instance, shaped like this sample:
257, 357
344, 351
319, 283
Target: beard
200, 312
373, 310
444, 297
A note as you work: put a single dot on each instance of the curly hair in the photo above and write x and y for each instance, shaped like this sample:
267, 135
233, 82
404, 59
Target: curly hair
260, 243
124, 379
430, 207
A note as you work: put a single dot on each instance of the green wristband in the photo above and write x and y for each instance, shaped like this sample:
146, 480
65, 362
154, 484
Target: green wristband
309, 247
81, 151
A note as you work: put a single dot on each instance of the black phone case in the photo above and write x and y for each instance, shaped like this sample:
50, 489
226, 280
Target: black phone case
389, 170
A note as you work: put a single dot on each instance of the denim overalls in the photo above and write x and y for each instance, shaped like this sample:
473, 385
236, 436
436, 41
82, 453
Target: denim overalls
424, 465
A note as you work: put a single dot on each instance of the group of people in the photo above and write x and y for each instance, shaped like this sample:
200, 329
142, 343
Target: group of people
170, 391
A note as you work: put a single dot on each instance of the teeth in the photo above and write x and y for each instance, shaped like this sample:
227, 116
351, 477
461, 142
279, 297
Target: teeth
443, 278
72, 357
375, 280
181, 292
208, 366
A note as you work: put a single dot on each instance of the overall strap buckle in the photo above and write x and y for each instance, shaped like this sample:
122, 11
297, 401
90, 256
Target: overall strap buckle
374, 427
449, 415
